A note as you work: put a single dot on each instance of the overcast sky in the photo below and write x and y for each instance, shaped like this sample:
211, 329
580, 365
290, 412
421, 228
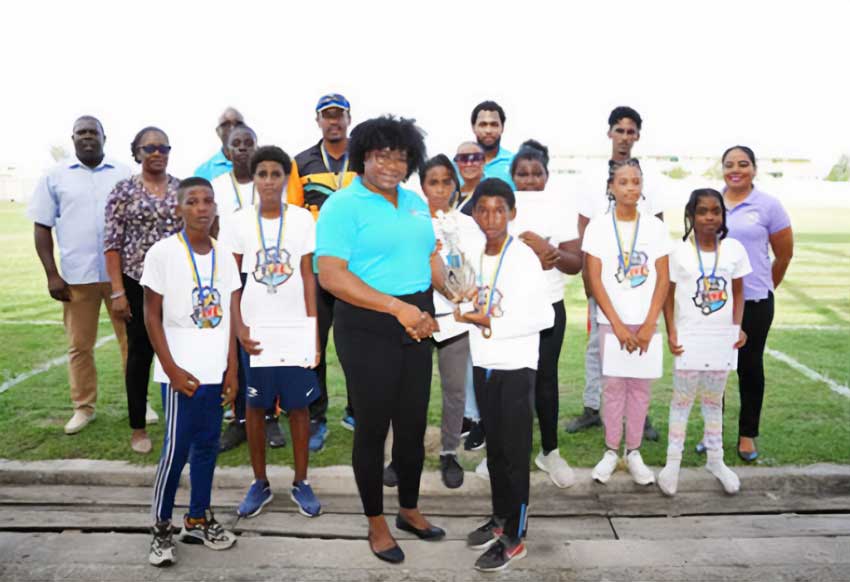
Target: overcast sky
703, 77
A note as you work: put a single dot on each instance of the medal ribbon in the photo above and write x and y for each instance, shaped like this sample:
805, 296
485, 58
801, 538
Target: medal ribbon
705, 281
236, 191
495, 276
195, 274
623, 258
340, 176
281, 226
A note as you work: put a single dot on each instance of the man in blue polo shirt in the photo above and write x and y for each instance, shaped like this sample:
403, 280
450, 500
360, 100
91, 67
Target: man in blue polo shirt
70, 199
488, 123
219, 163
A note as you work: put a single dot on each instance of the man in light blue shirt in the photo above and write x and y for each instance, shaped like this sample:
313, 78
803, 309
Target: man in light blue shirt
488, 123
70, 199
219, 163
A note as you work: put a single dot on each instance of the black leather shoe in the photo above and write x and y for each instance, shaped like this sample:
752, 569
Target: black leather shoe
431, 534
394, 555
233, 436
649, 432
748, 456
274, 435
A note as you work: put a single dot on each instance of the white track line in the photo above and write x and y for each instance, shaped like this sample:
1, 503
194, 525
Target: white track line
808, 372
806, 327
46, 366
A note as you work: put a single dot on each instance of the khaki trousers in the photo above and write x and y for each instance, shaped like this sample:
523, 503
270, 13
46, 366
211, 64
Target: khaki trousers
81, 315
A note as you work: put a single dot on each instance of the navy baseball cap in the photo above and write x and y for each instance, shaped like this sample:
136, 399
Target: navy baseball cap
332, 100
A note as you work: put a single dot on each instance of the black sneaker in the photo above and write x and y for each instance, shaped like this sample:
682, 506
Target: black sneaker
466, 426
390, 476
451, 471
274, 435
162, 552
499, 556
649, 432
233, 436
475, 440
485, 536
589, 418
207, 531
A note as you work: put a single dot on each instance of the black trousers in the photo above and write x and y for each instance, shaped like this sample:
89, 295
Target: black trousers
504, 398
546, 387
139, 355
325, 310
758, 316
389, 379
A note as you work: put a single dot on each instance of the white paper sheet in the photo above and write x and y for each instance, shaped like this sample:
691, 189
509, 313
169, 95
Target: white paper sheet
620, 363
288, 343
708, 348
450, 328
202, 353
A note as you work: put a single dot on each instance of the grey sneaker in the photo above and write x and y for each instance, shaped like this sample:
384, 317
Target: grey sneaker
485, 536
162, 552
208, 532
451, 471
587, 419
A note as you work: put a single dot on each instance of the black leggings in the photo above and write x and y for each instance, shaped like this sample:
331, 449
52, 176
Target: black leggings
758, 315
546, 388
325, 310
389, 379
504, 397
139, 355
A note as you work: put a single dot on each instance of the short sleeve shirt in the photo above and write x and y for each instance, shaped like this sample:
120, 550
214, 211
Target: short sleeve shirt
630, 289
752, 222
388, 247
704, 294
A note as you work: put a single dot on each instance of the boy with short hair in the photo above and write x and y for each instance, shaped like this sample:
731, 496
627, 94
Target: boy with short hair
188, 285
511, 310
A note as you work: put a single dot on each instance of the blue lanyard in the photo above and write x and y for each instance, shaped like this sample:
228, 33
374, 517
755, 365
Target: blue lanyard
699, 258
196, 274
340, 177
495, 277
624, 260
281, 222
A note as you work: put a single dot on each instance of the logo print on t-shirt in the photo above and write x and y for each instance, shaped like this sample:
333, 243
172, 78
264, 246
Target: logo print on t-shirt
273, 268
483, 297
206, 307
637, 271
711, 294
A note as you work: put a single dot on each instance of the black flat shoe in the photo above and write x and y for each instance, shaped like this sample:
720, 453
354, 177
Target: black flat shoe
394, 555
431, 534
748, 456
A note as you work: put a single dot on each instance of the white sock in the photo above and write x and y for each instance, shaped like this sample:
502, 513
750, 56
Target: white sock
727, 477
668, 478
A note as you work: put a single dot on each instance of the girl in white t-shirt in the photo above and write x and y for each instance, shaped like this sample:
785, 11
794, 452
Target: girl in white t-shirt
545, 223
706, 272
626, 263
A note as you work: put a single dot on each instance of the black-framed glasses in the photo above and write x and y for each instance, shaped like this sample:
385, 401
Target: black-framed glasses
151, 148
469, 158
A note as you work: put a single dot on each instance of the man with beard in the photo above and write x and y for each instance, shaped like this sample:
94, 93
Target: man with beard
317, 173
488, 123
219, 163
71, 198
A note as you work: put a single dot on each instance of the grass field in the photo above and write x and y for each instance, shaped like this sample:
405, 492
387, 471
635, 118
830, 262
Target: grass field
803, 421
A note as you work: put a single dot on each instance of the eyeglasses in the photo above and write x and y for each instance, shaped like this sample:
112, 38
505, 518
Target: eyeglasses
385, 158
151, 148
469, 158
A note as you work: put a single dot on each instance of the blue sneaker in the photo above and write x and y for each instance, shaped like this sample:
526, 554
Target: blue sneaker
259, 495
347, 422
318, 435
307, 502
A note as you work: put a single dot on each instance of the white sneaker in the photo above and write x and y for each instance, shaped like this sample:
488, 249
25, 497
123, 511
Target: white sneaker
640, 472
727, 477
151, 417
78, 422
605, 468
482, 471
668, 478
558, 469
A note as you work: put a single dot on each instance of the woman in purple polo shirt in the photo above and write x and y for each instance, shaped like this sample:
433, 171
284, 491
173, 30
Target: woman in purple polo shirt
757, 220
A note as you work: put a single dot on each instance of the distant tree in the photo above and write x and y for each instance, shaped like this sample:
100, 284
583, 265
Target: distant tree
715, 172
840, 172
677, 173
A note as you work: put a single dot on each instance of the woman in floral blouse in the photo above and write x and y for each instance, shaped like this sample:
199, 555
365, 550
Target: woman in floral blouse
139, 211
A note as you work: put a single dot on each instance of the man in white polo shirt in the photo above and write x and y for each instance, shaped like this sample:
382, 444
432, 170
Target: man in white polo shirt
70, 199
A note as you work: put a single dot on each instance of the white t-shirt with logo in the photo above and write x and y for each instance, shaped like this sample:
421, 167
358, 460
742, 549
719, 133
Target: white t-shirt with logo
229, 202
550, 215
278, 267
168, 271
706, 301
631, 290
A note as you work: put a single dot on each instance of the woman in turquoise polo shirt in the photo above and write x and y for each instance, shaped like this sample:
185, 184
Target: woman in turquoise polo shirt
374, 246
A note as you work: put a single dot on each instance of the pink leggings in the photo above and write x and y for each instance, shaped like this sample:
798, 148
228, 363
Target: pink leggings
621, 397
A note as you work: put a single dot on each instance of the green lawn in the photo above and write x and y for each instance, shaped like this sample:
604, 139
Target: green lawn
803, 420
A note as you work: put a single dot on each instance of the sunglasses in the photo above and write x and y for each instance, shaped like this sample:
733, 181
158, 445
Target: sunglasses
151, 148
469, 158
